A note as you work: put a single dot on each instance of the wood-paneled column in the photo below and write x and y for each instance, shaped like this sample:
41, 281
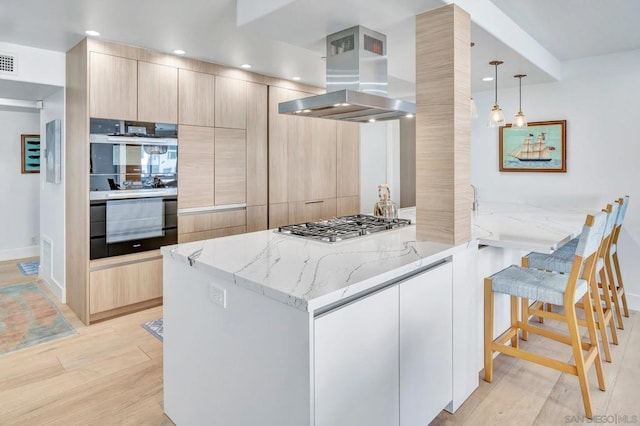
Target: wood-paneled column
443, 125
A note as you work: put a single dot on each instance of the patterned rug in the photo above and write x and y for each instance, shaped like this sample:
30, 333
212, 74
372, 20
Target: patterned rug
154, 327
29, 268
29, 317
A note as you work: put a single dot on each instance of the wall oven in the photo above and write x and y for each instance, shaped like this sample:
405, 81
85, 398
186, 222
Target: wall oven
133, 187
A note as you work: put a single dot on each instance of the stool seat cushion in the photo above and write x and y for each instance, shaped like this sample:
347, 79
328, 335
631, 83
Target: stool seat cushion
535, 284
569, 247
557, 261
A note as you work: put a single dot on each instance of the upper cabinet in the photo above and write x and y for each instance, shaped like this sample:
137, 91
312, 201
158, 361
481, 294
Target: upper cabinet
348, 159
196, 101
230, 166
157, 93
230, 103
113, 87
257, 145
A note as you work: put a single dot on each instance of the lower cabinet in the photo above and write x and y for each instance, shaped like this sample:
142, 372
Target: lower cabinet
311, 211
211, 224
120, 282
387, 359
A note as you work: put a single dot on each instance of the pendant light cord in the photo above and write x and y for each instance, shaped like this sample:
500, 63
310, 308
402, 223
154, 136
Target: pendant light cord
496, 86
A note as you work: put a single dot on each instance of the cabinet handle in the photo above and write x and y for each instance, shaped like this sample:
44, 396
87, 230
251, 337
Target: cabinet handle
314, 202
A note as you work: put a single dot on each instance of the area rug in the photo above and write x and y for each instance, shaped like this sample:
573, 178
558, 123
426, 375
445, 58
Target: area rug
29, 317
29, 268
154, 327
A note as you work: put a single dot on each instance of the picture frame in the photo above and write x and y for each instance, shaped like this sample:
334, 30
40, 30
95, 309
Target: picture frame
53, 151
30, 147
540, 147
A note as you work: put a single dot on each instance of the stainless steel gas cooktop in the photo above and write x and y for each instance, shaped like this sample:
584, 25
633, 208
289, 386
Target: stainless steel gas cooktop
342, 228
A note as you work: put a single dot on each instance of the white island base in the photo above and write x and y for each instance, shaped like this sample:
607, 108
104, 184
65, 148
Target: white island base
383, 356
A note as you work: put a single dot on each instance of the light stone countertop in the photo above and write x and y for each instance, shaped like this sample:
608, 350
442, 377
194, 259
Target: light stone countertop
310, 274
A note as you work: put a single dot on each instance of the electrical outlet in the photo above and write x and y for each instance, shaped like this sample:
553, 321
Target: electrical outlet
33, 240
218, 295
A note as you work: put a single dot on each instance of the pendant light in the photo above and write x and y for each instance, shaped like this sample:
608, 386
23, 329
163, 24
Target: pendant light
520, 122
496, 117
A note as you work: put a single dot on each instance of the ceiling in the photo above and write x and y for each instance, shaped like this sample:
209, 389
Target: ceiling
285, 38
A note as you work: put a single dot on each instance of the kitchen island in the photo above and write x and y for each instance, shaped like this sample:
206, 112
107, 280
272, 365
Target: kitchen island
273, 329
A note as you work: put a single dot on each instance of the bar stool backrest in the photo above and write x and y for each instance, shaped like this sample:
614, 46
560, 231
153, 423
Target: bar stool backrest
589, 243
623, 210
613, 211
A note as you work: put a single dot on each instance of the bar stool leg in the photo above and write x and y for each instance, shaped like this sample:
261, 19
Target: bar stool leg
593, 340
488, 330
524, 335
574, 335
607, 303
614, 291
597, 307
620, 285
515, 311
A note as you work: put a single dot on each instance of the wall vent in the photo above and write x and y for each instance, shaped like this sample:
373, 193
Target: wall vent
8, 64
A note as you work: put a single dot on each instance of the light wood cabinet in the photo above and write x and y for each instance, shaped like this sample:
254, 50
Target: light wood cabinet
157, 93
278, 147
201, 226
298, 154
230, 103
348, 159
230, 166
310, 211
257, 146
256, 218
113, 87
348, 206
196, 150
127, 284
196, 98
278, 215
321, 160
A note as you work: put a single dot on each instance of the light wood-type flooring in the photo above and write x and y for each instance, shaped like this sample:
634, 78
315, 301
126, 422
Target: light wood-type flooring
111, 374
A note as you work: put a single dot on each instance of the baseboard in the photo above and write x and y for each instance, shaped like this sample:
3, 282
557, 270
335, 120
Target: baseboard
55, 287
19, 253
633, 301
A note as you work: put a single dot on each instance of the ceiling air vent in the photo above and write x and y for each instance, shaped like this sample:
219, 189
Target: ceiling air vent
8, 64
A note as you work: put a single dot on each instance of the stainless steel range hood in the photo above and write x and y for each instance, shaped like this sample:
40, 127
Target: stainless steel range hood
356, 82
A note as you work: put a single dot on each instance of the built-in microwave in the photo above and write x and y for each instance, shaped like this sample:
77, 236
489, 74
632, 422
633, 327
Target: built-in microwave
130, 159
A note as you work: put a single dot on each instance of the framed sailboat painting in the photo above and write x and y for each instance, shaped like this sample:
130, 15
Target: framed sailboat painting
540, 147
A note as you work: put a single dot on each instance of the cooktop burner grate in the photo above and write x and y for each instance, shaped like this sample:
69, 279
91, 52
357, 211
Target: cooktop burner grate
344, 227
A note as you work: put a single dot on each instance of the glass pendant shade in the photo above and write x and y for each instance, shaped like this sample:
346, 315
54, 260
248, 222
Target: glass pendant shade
496, 117
520, 121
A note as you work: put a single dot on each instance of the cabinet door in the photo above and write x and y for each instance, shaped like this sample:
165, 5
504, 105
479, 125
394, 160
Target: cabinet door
196, 99
230, 166
257, 147
311, 211
320, 160
119, 286
113, 87
278, 215
356, 363
426, 350
348, 159
196, 150
298, 152
348, 206
157, 93
278, 147
256, 218
231, 103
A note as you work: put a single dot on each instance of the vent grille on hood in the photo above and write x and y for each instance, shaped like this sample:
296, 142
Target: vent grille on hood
356, 82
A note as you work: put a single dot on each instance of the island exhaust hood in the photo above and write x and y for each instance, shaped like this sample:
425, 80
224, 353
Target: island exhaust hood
356, 82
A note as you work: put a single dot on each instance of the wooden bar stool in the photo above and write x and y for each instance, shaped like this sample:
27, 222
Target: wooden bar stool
562, 261
558, 289
612, 264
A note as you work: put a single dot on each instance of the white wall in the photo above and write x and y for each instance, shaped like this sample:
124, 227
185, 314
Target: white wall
19, 215
379, 161
35, 65
52, 224
598, 98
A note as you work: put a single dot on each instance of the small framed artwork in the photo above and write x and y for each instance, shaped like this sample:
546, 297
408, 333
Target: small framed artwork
541, 147
53, 151
30, 153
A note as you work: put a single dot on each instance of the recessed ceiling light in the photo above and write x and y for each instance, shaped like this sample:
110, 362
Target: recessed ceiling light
487, 78
295, 78
345, 104
246, 66
179, 52
306, 111
409, 115
92, 33
372, 120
